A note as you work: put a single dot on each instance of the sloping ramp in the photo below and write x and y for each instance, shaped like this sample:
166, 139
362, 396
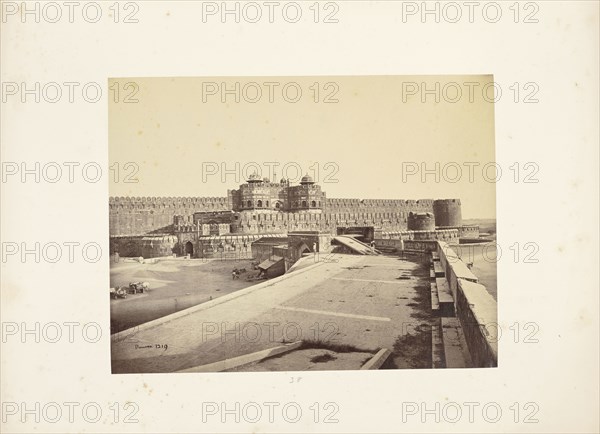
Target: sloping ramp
355, 245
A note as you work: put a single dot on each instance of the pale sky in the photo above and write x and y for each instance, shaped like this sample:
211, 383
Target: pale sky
180, 127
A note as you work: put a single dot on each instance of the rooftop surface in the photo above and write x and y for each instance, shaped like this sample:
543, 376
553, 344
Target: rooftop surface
368, 302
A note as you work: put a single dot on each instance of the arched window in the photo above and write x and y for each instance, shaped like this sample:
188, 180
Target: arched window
303, 204
277, 205
267, 204
249, 204
313, 204
259, 204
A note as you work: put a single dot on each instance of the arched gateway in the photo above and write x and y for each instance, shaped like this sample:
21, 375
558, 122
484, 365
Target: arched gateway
189, 249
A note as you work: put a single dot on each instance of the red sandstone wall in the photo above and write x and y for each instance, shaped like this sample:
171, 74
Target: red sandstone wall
143, 215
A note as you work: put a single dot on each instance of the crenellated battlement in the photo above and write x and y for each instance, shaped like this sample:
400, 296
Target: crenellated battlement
147, 215
166, 201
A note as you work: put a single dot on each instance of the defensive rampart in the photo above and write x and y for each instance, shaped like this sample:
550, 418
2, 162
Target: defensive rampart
148, 215
144, 215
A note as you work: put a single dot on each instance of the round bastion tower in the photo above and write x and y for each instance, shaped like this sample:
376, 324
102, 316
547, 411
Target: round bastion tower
421, 221
447, 212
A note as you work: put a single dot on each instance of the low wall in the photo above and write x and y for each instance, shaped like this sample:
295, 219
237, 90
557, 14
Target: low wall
454, 268
471, 231
230, 246
390, 244
475, 308
399, 245
477, 311
446, 235
425, 241
423, 246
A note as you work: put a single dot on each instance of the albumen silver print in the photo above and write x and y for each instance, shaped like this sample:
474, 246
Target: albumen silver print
307, 223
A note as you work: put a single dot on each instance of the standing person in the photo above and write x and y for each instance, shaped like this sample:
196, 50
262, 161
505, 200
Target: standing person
316, 256
373, 246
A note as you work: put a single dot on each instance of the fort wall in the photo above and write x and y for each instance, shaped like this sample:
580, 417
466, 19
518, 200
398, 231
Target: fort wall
154, 215
145, 215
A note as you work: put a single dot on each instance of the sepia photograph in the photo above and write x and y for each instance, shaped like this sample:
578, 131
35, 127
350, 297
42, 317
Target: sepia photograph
299, 216
302, 223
